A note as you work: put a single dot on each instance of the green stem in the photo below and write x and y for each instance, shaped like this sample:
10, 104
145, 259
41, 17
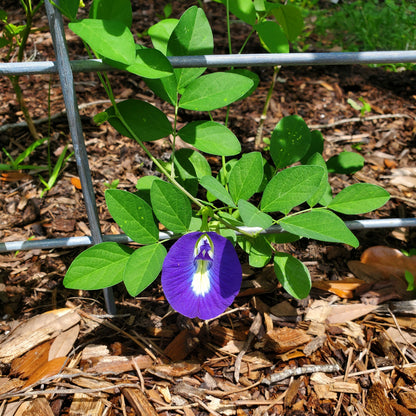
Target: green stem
22, 104
227, 11
259, 135
245, 42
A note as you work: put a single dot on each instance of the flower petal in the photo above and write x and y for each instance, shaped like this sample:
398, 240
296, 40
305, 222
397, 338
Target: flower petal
201, 288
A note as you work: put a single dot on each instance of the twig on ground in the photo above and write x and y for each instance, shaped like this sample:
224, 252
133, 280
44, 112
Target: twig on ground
307, 369
254, 330
357, 119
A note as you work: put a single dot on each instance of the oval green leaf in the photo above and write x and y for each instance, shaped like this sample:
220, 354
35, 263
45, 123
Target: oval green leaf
160, 33
111, 10
171, 207
290, 141
291, 187
191, 36
111, 39
272, 37
146, 121
359, 198
318, 160
143, 267
98, 267
320, 224
213, 186
246, 176
133, 215
210, 137
291, 20
208, 92
346, 162
293, 275
150, 63
252, 216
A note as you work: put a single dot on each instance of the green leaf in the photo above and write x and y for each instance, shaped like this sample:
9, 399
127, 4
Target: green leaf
317, 146
260, 252
291, 20
282, 238
212, 185
192, 163
252, 216
133, 215
210, 137
290, 141
111, 39
319, 224
189, 166
293, 275
143, 186
291, 187
165, 88
68, 8
98, 267
345, 162
248, 74
243, 9
246, 176
230, 218
224, 173
207, 93
111, 10
150, 63
160, 33
318, 160
191, 36
359, 198
143, 267
171, 206
145, 120
410, 280
272, 37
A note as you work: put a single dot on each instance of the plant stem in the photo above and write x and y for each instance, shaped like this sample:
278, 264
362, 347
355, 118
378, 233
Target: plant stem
227, 11
259, 135
22, 104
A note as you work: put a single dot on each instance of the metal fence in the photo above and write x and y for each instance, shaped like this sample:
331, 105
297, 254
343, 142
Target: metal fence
65, 68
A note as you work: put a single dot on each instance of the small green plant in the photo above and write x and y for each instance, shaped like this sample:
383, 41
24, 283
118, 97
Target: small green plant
363, 108
113, 184
18, 162
54, 173
209, 212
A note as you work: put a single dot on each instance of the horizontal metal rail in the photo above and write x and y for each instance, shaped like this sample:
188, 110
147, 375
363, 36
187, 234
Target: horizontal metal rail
241, 60
83, 241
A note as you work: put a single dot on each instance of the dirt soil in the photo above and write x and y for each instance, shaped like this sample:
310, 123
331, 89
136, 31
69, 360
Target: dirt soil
347, 349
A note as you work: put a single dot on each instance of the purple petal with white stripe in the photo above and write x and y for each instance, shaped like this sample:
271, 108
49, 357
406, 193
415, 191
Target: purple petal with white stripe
201, 275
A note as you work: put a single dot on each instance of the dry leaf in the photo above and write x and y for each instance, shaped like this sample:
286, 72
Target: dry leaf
342, 288
76, 182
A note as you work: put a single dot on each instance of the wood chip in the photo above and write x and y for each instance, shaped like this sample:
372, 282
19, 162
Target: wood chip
84, 404
285, 339
139, 402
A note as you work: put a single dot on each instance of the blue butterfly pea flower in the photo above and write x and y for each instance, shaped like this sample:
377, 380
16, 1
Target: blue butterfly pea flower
201, 275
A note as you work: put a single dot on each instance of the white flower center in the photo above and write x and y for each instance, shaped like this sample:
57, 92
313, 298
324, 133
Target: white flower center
200, 281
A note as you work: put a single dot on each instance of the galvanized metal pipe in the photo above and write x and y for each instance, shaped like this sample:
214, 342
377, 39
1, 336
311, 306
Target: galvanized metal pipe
70, 242
234, 60
74, 121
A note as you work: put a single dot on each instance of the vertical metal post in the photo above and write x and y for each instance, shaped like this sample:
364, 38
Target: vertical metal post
74, 121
